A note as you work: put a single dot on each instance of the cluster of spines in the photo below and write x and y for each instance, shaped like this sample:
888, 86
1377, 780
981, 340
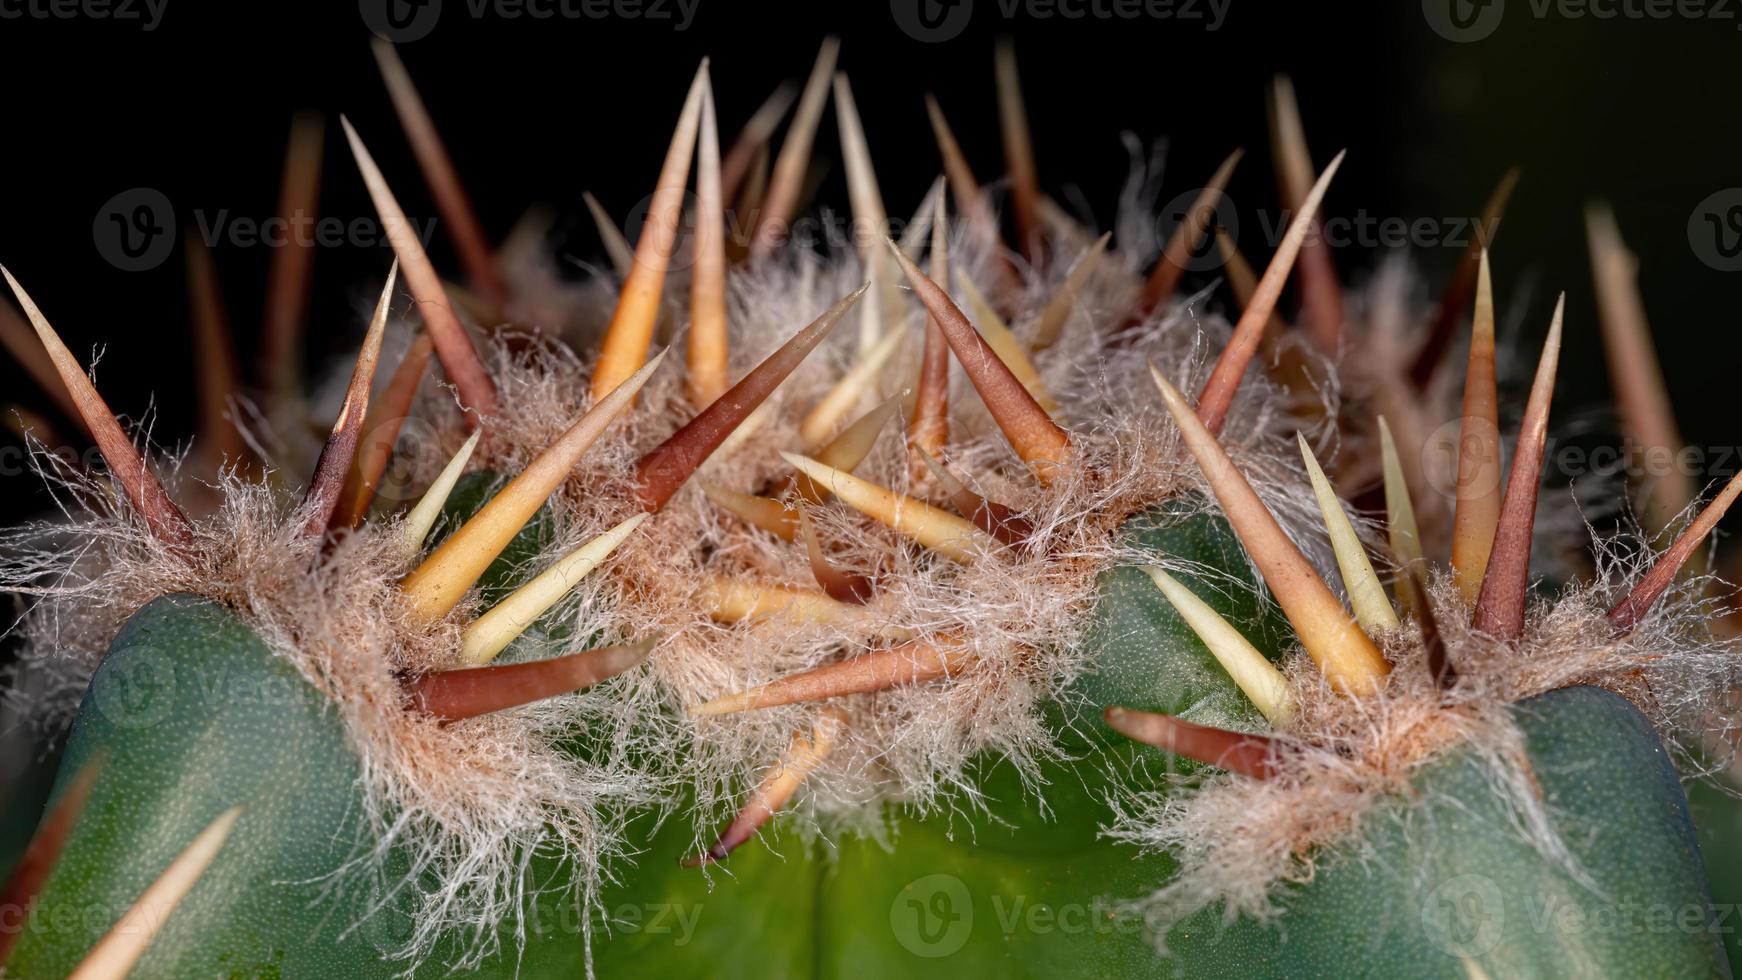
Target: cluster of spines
1490, 539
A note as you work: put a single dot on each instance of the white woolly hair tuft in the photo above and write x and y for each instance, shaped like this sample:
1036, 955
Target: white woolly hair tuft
474, 799
1240, 841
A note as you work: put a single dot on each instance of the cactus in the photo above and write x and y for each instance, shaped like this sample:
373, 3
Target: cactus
703, 677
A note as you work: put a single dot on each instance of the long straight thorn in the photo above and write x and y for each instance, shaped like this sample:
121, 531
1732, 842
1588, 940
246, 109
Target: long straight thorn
1245, 755
1630, 610
1462, 285
441, 175
708, 341
1366, 595
220, 376
1050, 325
1506, 582
781, 200
1476, 512
451, 695
870, 220
820, 420
914, 662
928, 430
334, 465
459, 358
972, 205
630, 332
1400, 526
753, 138
1037, 439
1187, 236
1345, 654
434, 587
20, 341
1018, 154
1255, 675
617, 248
166, 521
1642, 397
1004, 343
941, 531
422, 517
1321, 294
662, 471
918, 230
803, 754
289, 272
115, 955
1218, 394
489, 634
381, 431
961, 176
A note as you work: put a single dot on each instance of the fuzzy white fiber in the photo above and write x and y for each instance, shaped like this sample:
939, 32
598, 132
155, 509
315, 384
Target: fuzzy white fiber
1242, 843
473, 800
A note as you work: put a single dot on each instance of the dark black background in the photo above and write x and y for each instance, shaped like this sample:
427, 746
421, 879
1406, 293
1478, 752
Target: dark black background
1637, 110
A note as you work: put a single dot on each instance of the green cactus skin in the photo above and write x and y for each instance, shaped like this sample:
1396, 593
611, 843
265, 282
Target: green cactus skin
191, 715
1040, 889
1718, 817
1464, 883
